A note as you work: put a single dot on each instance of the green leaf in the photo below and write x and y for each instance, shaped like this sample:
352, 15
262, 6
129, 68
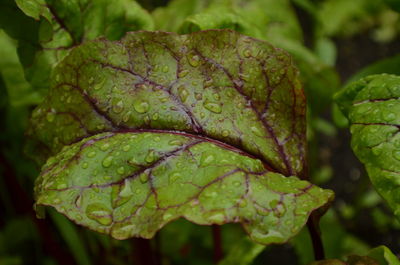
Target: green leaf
377, 256
242, 253
218, 83
384, 256
372, 107
64, 24
161, 123
130, 184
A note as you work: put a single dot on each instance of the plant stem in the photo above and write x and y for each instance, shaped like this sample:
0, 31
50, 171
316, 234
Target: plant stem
315, 233
217, 239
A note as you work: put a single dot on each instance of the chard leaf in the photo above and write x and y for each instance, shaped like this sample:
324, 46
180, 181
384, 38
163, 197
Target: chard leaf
64, 24
377, 256
372, 107
130, 184
207, 126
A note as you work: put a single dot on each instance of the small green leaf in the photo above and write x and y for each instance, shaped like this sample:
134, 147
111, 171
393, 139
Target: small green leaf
133, 192
373, 109
61, 25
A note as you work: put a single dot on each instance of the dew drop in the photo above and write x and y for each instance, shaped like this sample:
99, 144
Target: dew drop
155, 116
165, 69
157, 139
167, 216
206, 159
85, 165
194, 60
212, 106
198, 96
126, 190
91, 154
141, 106
99, 85
247, 53
183, 73
126, 116
105, 146
217, 218
242, 203
119, 107
225, 133
144, 177
126, 148
237, 183
56, 201
216, 96
150, 157
183, 93
107, 161
99, 213
121, 170
176, 142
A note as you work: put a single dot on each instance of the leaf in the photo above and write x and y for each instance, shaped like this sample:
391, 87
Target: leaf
274, 21
377, 256
64, 24
384, 256
133, 183
372, 107
166, 122
242, 253
233, 93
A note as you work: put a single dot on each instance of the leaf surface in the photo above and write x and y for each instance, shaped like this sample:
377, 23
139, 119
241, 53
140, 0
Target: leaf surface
130, 184
372, 107
207, 126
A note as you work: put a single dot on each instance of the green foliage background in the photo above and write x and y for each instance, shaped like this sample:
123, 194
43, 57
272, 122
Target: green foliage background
329, 40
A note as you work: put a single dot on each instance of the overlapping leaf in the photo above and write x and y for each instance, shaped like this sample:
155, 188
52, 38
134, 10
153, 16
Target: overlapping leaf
373, 108
62, 25
206, 126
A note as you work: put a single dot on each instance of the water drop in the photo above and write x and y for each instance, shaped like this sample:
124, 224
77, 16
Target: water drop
237, 183
99, 85
99, 213
157, 139
107, 161
247, 53
165, 69
217, 218
85, 165
183, 93
56, 201
183, 73
121, 170
176, 142
242, 203
91, 154
206, 159
144, 177
126, 116
155, 116
216, 96
141, 106
150, 157
225, 133
105, 146
194, 60
167, 216
198, 96
212, 106
118, 108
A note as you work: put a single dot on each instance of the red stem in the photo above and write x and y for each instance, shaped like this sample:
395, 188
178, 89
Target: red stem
217, 239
